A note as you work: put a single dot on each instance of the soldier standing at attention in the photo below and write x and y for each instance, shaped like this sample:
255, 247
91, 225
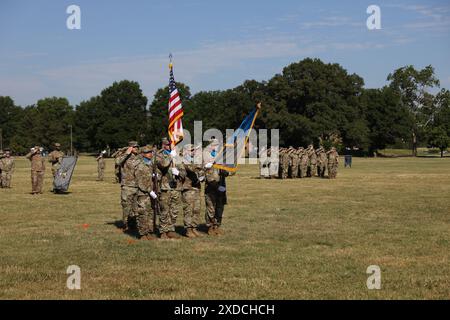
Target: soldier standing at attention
7, 165
294, 162
312, 161
37, 169
321, 162
333, 161
215, 190
172, 172
101, 166
128, 162
55, 158
191, 191
304, 160
284, 162
145, 195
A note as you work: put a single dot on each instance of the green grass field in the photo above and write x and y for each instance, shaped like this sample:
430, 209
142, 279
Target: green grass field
292, 239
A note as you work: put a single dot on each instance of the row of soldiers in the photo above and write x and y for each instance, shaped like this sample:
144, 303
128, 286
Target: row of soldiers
162, 184
37, 161
301, 163
6, 168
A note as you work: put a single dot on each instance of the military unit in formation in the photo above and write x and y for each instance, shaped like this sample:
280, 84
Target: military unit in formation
158, 185
162, 184
300, 163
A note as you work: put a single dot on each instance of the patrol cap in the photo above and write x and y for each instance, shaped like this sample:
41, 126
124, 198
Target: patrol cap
133, 144
146, 149
57, 145
165, 141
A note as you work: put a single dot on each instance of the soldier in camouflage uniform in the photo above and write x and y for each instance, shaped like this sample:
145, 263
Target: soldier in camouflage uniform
55, 158
304, 161
215, 190
117, 174
7, 169
333, 161
101, 166
294, 160
145, 218
321, 162
191, 190
312, 163
284, 163
172, 173
128, 162
37, 169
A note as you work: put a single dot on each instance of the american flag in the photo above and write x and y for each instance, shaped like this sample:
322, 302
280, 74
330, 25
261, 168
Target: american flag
175, 111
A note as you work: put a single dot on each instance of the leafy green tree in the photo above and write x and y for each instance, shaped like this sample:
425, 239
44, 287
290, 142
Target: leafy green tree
439, 124
10, 116
386, 116
113, 118
439, 138
413, 86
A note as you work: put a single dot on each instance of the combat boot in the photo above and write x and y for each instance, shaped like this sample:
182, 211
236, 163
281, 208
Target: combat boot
218, 230
147, 237
196, 232
173, 235
211, 231
190, 233
164, 236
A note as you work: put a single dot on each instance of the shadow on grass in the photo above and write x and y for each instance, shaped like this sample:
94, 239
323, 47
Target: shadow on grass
131, 231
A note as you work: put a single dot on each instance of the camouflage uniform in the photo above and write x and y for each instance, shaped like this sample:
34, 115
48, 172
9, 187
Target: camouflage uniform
294, 160
37, 170
128, 164
55, 158
191, 194
312, 164
171, 187
284, 163
321, 162
333, 161
304, 160
144, 203
117, 174
215, 191
7, 169
100, 167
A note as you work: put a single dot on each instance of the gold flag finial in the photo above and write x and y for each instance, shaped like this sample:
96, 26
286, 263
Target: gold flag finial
170, 59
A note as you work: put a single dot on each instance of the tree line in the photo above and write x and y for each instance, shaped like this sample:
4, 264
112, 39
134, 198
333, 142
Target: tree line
310, 102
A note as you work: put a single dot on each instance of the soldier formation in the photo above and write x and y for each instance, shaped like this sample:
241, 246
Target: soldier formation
300, 163
159, 185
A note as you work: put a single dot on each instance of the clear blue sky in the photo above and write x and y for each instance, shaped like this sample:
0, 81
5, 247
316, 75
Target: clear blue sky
216, 44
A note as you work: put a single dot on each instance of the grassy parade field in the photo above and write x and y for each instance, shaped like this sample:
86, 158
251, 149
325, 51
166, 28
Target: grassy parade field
290, 239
